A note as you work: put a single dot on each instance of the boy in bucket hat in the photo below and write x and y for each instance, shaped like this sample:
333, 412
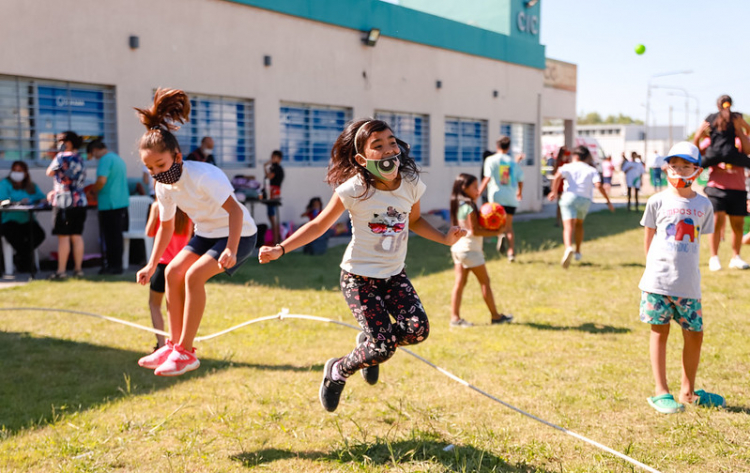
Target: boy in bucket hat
674, 220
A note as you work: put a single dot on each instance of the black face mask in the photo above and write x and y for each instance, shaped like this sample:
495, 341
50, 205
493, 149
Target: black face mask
171, 175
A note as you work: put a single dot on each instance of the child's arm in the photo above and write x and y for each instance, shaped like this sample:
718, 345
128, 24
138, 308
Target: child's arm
423, 228
306, 233
648, 237
700, 133
552, 196
483, 185
228, 257
163, 236
472, 224
153, 217
603, 191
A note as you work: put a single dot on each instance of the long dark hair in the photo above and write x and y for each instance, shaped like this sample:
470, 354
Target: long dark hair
343, 166
724, 117
26, 184
170, 108
458, 195
181, 221
74, 139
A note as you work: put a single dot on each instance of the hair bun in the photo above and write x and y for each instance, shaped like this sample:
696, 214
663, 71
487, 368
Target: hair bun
170, 107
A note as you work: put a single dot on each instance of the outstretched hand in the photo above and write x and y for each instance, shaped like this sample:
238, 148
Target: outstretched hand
453, 234
266, 254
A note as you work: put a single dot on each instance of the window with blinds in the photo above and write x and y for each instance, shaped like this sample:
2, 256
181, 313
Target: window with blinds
465, 140
33, 112
522, 140
309, 131
412, 128
229, 121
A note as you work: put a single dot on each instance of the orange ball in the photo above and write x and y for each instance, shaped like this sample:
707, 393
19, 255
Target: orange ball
492, 216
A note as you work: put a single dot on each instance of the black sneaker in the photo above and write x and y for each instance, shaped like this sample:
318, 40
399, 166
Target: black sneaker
503, 319
371, 373
330, 390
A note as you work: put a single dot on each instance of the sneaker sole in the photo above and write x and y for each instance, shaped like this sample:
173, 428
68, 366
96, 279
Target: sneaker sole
566, 260
190, 367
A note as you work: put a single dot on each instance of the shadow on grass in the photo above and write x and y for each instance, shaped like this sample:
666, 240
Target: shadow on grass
738, 409
44, 378
419, 450
588, 327
299, 271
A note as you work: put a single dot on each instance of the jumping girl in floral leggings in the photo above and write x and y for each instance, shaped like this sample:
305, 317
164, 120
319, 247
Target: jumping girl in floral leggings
378, 183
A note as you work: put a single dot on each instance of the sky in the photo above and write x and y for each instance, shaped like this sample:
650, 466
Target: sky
706, 37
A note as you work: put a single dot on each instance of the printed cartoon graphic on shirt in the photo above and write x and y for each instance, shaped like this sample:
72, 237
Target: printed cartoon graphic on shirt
681, 234
390, 226
504, 172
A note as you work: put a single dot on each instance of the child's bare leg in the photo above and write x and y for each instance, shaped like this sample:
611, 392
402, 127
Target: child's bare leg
195, 297
77, 241
737, 223
579, 234
715, 238
63, 252
157, 320
458, 291
510, 235
568, 232
484, 282
175, 279
658, 349
691, 356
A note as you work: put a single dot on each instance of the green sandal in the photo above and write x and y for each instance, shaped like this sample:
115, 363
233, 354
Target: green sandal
666, 404
706, 399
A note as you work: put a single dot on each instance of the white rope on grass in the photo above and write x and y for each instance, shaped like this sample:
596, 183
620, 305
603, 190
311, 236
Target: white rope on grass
284, 314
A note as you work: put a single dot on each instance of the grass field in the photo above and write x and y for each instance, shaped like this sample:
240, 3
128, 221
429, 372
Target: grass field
72, 397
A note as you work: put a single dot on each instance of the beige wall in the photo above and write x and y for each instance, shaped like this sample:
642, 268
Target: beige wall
216, 48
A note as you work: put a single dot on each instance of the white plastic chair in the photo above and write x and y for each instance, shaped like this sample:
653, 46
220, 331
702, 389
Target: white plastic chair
8, 257
138, 216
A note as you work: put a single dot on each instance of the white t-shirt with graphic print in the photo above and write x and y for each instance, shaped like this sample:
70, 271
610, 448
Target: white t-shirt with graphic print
201, 191
380, 226
672, 262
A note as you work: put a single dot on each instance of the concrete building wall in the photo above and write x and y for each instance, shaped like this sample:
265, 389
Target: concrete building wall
216, 47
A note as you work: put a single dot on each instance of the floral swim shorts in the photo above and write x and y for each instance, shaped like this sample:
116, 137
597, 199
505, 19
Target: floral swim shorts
657, 309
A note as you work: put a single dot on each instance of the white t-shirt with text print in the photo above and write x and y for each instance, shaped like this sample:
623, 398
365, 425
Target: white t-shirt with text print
380, 226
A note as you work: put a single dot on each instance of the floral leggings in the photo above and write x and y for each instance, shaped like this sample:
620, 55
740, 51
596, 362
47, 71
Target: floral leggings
371, 301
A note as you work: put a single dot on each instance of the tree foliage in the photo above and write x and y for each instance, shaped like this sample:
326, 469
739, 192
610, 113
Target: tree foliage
594, 118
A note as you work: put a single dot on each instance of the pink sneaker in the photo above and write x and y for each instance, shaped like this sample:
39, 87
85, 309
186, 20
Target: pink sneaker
156, 358
178, 362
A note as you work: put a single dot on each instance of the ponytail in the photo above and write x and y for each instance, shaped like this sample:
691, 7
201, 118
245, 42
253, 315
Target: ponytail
724, 117
171, 107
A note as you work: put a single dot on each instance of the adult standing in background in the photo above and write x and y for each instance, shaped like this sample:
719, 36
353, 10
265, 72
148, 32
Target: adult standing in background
205, 153
655, 165
503, 178
113, 200
68, 201
726, 179
275, 175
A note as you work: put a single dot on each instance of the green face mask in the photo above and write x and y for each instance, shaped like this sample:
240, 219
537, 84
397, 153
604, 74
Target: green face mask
384, 169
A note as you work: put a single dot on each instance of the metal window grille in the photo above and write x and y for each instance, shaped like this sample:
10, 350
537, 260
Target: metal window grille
229, 121
33, 112
309, 131
522, 139
465, 140
412, 128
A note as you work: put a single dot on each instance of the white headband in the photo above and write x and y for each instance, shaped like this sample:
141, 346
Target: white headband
357, 134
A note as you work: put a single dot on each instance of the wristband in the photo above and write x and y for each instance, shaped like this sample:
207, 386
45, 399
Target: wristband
283, 251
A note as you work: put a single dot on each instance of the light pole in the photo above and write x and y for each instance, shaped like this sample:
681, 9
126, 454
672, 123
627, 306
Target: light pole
648, 101
697, 108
